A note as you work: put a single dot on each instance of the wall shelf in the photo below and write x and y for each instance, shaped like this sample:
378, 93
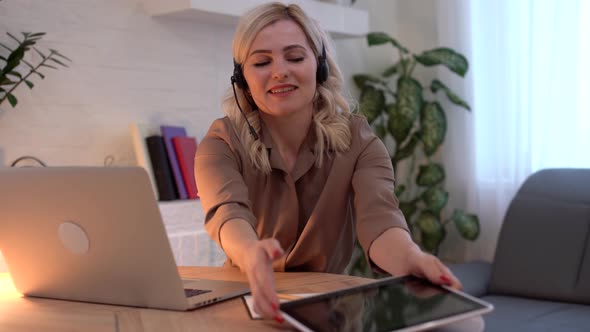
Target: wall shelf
341, 21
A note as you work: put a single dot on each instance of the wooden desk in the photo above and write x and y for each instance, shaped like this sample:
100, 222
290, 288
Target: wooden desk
18, 313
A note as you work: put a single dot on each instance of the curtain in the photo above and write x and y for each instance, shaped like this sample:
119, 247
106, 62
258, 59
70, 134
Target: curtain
529, 87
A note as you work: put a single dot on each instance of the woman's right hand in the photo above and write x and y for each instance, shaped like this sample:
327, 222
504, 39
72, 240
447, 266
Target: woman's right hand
257, 264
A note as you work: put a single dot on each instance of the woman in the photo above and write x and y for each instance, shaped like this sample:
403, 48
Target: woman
292, 186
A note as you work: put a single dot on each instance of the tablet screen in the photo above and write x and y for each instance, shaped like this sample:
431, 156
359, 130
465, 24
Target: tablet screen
387, 305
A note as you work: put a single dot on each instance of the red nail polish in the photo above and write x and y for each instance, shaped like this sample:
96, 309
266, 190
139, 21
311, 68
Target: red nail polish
274, 306
279, 319
445, 279
276, 254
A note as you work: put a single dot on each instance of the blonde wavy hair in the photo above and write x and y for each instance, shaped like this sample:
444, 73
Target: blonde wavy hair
331, 109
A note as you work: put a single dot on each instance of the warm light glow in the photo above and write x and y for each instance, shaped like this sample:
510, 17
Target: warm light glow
7, 289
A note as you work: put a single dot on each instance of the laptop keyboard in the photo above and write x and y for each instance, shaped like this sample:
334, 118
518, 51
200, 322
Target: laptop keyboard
190, 292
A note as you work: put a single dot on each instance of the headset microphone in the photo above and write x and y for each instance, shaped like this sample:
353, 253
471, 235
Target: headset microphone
252, 130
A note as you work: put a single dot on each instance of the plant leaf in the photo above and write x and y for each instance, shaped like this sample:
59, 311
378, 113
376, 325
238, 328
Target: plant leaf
372, 102
407, 150
59, 54
467, 224
28, 64
48, 66
408, 209
405, 111
447, 57
433, 127
39, 74
432, 231
37, 34
27, 44
430, 175
361, 80
435, 199
58, 62
390, 71
437, 85
13, 37
15, 74
381, 130
6, 47
14, 59
12, 99
6, 81
40, 53
380, 38
399, 190
377, 38
29, 84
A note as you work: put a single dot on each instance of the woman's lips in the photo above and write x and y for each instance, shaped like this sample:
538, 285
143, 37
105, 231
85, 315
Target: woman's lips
282, 90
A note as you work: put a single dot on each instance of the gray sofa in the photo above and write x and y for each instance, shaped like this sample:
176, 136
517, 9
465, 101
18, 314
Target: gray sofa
540, 277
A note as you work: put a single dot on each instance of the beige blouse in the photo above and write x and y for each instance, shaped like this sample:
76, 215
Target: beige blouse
313, 212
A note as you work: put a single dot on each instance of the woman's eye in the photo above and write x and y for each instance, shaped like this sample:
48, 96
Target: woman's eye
261, 64
296, 59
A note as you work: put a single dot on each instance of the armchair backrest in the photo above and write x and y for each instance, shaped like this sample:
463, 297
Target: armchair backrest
543, 250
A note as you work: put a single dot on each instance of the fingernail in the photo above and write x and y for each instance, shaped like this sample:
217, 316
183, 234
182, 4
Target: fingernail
279, 319
274, 306
276, 254
445, 279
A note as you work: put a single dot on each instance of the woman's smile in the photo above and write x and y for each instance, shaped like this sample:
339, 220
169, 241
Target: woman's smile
282, 90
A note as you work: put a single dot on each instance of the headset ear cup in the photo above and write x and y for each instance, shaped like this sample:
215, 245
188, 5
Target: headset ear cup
238, 77
323, 71
323, 68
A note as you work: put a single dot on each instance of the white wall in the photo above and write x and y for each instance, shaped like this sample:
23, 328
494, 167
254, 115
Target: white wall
127, 67
412, 22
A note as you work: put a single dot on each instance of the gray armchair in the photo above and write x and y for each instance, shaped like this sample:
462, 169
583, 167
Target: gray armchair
540, 277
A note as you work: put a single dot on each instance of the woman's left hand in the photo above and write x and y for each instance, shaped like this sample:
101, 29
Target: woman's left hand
427, 266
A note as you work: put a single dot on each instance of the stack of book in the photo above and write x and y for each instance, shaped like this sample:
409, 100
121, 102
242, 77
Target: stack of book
168, 157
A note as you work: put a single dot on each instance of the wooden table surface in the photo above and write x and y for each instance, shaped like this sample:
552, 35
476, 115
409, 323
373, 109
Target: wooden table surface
18, 313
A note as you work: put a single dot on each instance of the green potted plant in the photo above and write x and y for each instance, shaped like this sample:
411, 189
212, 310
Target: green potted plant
12, 71
397, 108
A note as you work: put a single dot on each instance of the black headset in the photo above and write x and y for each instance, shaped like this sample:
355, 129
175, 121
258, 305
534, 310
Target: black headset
238, 79
322, 72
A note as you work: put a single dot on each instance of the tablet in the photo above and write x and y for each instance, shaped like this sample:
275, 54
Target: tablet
391, 304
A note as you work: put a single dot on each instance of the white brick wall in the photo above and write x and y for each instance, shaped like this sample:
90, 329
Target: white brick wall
127, 67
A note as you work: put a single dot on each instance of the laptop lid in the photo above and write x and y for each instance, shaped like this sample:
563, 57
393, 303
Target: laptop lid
90, 234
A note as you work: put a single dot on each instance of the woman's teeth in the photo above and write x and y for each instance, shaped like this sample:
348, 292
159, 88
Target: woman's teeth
282, 90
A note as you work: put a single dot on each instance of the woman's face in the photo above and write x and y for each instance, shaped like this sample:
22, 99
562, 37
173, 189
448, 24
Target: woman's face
281, 70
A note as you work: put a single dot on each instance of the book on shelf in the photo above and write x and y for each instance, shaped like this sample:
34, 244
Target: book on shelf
139, 132
169, 132
186, 148
162, 170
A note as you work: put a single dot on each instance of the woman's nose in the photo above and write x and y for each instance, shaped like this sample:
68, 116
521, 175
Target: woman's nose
279, 70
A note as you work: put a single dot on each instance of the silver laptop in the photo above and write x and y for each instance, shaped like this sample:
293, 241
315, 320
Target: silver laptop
94, 234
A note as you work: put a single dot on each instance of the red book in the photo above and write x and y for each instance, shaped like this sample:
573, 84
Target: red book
186, 148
